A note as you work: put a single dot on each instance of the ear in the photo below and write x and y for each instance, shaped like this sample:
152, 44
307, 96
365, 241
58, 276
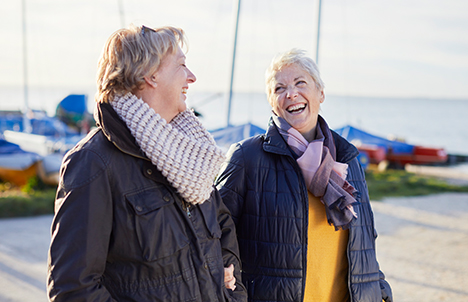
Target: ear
151, 81
322, 96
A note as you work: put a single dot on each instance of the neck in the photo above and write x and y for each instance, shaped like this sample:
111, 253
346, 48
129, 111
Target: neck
310, 135
150, 97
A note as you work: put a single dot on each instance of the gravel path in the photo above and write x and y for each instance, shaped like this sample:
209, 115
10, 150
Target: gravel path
422, 249
23, 258
423, 246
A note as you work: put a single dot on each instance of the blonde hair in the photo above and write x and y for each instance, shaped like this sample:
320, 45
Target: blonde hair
293, 56
131, 54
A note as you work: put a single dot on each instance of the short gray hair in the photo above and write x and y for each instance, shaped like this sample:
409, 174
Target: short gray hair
293, 56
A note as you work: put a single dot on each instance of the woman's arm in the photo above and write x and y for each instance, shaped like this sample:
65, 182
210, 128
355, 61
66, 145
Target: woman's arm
80, 231
230, 251
231, 181
230, 185
384, 286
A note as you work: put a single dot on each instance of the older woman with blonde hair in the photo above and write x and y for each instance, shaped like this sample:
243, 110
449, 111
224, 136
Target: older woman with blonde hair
136, 215
299, 200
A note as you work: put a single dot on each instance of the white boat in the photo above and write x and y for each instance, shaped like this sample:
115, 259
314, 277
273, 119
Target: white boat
16, 165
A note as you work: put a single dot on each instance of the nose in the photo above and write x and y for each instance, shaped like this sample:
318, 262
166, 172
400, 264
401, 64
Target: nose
291, 92
191, 78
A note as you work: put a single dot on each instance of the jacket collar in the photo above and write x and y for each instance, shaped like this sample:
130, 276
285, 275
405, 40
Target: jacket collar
116, 131
345, 151
274, 143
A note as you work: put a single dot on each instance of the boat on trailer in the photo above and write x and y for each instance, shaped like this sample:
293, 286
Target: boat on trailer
17, 165
397, 153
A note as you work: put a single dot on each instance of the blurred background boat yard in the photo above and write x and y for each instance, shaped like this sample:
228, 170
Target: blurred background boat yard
395, 78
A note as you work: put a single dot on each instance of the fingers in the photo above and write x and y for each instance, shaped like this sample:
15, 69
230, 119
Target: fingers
229, 271
229, 279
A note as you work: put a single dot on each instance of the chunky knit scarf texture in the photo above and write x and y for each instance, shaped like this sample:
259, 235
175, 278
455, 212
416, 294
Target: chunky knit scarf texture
183, 150
324, 177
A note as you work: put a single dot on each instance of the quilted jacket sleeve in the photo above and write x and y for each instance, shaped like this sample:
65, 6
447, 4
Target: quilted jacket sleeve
231, 181
384, 286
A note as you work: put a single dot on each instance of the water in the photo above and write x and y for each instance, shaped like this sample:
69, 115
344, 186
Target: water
428, 122
434, 123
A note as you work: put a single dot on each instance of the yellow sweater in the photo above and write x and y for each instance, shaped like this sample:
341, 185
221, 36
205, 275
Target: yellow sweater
327, 262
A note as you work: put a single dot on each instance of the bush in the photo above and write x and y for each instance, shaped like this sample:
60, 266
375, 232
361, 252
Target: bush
34, 198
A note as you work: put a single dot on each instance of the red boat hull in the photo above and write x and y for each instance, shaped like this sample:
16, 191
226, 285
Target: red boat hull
375, 154
420, 156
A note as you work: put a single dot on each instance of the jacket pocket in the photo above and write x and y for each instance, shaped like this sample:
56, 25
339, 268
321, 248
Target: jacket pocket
159, 226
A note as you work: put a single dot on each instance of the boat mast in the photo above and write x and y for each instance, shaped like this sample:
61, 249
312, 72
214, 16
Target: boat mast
233, 64
318, 30
121, 14
235, 47
26, 122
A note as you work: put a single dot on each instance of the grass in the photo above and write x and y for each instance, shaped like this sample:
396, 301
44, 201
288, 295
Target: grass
399, 183
35, 198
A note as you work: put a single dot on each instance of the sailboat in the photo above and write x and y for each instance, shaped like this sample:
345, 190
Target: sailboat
38, 141
230, 134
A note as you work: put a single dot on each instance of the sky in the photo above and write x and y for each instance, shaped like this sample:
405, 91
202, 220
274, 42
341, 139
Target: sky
375, 48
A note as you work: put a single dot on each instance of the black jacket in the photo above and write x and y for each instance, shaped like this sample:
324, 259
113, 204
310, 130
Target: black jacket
122, 233
262, 185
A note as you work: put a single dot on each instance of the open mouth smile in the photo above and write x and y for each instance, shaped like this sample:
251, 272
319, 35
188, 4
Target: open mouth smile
297, 108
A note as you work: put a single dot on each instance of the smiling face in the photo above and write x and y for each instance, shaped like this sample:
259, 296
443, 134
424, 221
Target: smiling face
297, 99
171, 82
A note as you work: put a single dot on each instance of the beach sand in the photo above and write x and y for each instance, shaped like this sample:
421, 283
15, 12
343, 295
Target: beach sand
422, 249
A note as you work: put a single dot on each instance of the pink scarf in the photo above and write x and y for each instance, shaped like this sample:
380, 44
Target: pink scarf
324, 177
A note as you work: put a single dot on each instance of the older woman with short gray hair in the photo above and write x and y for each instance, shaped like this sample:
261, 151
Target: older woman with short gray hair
299, 199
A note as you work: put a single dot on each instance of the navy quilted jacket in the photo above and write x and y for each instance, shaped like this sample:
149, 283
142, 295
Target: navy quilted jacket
264, 189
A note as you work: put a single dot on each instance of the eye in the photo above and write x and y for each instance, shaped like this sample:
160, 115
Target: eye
300, 83
279, 89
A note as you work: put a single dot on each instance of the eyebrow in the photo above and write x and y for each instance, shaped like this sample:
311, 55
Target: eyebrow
295, 79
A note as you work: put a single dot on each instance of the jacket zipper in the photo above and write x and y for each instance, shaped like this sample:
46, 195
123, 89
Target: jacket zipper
186, 208
306, 238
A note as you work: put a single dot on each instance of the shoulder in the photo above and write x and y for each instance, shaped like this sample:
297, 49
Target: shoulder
86, 161
345, 151
246, 149
253, 143
242, 162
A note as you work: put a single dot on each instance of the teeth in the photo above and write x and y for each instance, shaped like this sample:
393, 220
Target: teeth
296, 107
184, 90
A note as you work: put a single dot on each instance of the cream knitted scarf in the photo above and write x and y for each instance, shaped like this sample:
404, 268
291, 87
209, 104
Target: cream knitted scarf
183, 150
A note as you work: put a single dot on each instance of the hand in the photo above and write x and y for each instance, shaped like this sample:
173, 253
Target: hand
229, 279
